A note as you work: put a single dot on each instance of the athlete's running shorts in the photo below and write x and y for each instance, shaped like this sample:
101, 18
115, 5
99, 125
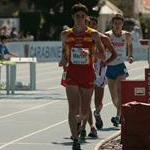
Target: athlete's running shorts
113, 71
81, 76
100, 72
100, 81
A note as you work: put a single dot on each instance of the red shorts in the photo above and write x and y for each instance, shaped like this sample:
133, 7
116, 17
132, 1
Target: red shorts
83, 76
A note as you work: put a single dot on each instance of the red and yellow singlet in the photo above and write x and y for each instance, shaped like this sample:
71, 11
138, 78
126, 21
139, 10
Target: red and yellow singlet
79, 50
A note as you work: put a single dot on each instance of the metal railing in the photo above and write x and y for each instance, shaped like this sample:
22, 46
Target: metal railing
11, 72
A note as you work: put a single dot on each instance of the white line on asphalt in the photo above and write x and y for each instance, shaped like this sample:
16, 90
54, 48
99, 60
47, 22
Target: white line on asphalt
27, 143
41, 130
56, 87
28, 109
50, 79
33, 133
39, 106
38, 131
60, 86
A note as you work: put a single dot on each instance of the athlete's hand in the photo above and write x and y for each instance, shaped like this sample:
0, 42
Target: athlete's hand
130, 60
62, 63
99, 55
103, 63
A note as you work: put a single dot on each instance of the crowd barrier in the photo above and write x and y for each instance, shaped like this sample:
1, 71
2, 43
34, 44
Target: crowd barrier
46, 51
11, 72
51, 50
43, 51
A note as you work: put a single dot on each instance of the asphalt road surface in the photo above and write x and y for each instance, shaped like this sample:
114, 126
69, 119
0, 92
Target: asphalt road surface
37, 120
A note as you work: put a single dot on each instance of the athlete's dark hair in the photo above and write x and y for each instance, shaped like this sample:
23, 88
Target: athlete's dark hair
94, 19
79, 7
118, 16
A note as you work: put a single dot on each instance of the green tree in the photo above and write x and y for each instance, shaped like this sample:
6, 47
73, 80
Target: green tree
57, 12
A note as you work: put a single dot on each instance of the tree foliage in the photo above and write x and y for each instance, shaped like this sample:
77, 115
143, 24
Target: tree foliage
67, 4
56, 5
55, 13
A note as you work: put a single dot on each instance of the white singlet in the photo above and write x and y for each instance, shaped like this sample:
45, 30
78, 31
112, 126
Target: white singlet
120, 45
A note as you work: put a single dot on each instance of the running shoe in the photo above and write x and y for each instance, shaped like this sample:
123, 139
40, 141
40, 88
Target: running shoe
76, 145
83, 134
99, 122
115, 121
93, 133
71, 137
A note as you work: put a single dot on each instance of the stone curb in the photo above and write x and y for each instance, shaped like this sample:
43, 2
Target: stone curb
102, 142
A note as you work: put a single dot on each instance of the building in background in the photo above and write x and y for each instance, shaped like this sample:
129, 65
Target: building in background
106, 12
142, 12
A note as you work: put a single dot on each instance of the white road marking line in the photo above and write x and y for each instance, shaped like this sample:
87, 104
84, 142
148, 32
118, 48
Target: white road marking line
56, 87
60, 86
36, 107
50, 79
28, 109
107, 104
27, 143
33, 133
38, 131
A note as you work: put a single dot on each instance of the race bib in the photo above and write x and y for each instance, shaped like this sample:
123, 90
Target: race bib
121, 53
80, 56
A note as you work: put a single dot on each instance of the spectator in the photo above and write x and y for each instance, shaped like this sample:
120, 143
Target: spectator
14, 33
4, 52
136, 33
3, 30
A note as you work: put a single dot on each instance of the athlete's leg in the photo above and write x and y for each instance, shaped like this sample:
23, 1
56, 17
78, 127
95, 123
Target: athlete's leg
90, 119
119, 79
86, 95
112, 84
72, 92
93, 131
116, 120
99, 93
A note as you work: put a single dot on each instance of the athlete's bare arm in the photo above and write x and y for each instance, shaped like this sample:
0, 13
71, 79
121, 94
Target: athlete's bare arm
63, 61
129, 47
100, 47
109, 46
